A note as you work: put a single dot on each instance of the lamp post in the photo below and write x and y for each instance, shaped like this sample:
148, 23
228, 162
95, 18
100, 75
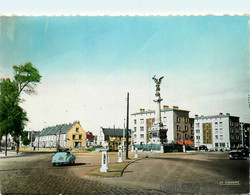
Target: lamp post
183, 139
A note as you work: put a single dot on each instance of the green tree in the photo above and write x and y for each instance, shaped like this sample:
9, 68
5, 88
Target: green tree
12, 116
9, 99
18, 119
26, 77
25, 139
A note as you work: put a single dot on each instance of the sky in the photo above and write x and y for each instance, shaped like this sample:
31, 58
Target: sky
89, 64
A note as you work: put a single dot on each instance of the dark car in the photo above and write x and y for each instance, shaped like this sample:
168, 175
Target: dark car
203, 147
236, 154
244, 152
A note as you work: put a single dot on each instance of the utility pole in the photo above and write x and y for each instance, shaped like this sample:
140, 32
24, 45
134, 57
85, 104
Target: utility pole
127, 125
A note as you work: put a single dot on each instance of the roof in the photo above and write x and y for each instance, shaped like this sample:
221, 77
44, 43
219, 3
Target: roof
216, 116
115, 132
162, 110
64, 128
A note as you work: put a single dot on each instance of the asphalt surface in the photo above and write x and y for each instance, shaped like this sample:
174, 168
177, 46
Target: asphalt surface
33, 173
211, 173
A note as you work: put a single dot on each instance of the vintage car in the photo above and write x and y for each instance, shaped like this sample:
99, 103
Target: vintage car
236, 154
63, 157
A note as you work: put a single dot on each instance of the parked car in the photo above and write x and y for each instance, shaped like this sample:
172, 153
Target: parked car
236, 154
244, 151
203, 147
63, 157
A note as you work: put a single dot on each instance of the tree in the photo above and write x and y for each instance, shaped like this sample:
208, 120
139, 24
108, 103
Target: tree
9, 99
26, 77
12, 116
18, 119
25, 139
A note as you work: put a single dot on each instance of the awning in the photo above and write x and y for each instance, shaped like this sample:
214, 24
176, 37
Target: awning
188, 142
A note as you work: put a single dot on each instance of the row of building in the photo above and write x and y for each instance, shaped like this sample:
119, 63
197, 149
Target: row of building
217, 131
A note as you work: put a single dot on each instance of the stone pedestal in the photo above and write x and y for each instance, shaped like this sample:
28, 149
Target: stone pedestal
162, 149
184, 148
105, 162
136, 153
120, 156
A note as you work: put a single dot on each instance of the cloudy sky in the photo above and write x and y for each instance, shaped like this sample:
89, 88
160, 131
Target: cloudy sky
88, 64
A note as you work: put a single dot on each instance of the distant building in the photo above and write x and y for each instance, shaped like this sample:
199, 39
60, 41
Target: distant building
245, 133
177, 121
218, 131
91, 139
67, 135
112, 137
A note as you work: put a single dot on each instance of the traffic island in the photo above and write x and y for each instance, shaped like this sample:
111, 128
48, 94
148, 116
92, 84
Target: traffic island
115, 169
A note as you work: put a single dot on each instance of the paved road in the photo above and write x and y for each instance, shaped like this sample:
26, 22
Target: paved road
157, 174
34, 174
203, 173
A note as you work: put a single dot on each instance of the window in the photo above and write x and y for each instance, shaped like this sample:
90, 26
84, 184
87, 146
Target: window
216, 124
221, 137
186, 136
216, 131
80, 136
178, 119
154, 134
216, 144
178, 127
135, 121
135, 136
197, 125
186, 119
142, 128
186, 128
134, 129
77, 129
197, 137
220, 124
197, 131
178, 136
221, 131
222, 144
142, 136
216, 137
165, 119
74, 136
141, 121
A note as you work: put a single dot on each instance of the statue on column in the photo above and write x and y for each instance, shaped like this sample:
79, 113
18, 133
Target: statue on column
158, 83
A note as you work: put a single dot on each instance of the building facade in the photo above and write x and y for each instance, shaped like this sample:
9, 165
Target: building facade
113, 138
65, 135
177, 121
218, 131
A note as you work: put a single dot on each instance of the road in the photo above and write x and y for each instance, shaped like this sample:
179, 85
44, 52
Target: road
212, 172
33, 173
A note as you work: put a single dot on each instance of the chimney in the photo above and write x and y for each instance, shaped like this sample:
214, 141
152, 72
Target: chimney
221, 113
228, 114
165, 107
196, 115
142, 110
175, 107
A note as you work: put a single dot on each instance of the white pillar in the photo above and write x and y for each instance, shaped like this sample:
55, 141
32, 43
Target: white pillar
184, 148
120, 156
105, 162
136, 153
162, 149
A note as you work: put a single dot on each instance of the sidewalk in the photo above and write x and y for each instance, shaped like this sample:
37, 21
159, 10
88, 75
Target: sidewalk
9, 153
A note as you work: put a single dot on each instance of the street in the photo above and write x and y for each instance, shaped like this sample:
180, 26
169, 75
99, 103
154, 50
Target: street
213, 172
